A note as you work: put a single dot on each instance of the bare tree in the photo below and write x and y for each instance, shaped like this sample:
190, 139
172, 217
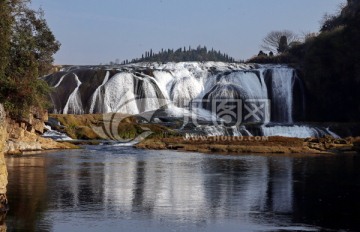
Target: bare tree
274, 41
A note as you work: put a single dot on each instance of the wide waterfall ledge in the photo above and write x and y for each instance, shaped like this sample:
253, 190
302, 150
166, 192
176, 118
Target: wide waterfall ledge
215, 98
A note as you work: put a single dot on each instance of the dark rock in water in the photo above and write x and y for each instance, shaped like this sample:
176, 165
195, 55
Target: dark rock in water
4, 205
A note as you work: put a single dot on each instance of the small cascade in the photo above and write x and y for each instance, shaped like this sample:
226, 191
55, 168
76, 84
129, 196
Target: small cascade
282, 95
96, 99
213, 130
332, 133
296, 131
73, 104
60, 81
56, 135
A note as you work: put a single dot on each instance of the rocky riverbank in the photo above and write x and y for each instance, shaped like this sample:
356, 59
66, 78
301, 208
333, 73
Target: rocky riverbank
163, 137
241, 145
24, 135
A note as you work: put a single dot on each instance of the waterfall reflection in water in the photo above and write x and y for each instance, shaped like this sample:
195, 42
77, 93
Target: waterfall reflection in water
106, 188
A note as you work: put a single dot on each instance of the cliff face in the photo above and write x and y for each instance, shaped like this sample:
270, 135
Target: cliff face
24, 135
3, 170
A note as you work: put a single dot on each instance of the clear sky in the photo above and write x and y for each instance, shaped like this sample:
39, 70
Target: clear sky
94, 31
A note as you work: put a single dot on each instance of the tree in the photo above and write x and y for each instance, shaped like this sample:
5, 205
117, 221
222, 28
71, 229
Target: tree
5, 35
29, 46
261, 53
283, 44
272, 41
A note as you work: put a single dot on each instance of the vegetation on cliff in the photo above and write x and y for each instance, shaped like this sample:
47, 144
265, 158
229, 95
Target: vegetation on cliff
27, 46
330, 66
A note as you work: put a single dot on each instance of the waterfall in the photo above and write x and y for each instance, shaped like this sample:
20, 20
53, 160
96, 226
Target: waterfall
185, 91
131, 93
214, 130
238, 85
56, 135
96, 99
119, 94
149, 95
60, 81
282, 94
297, 131
73, 104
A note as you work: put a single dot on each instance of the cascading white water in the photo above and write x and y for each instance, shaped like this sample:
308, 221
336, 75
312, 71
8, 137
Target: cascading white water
164, 80
119, 94
247, 85
184, 90
332, 133
282, 94
60, 81
138, 88
150, 100
74, 104
56, 135
214, 130
296, 131
130, 94
182, 84
96, 98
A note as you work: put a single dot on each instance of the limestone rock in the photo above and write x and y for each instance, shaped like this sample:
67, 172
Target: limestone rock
3, 170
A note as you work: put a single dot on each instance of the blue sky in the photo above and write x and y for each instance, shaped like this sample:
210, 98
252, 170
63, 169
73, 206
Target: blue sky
94, 31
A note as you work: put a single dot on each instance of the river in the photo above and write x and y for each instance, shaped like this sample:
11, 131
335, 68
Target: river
114, 188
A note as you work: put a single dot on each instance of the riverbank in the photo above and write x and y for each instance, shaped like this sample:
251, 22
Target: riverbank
241, 145
24, 135
81, 129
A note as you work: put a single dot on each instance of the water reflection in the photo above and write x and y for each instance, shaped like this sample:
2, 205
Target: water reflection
164, 188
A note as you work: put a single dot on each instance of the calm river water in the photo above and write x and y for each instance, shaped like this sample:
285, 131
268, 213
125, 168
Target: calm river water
113, 188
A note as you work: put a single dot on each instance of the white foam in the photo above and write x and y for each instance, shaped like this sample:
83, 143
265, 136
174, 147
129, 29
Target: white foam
96, 97
74, 104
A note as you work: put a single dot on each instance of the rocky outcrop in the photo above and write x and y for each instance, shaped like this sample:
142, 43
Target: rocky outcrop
3, 170
24, 134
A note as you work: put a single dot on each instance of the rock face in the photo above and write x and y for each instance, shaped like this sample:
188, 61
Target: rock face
23, 135
3, 170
